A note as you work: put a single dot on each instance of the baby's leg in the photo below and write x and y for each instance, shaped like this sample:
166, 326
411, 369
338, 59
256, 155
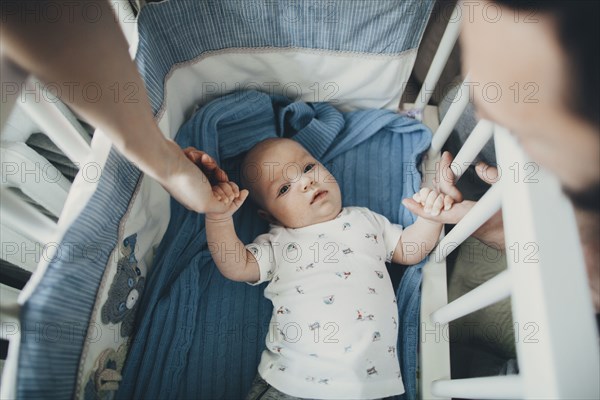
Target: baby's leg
261, 390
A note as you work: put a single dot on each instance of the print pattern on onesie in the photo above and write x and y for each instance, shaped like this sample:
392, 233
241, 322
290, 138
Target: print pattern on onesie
331, 299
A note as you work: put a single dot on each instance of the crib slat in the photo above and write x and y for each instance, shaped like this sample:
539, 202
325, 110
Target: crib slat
13, 246
434, 350
52, 122
9, 373
35, 176
24, 219
458, 106
557, 338
495, 387
480, 135
439, 60
487, 206
9, 311
490, 292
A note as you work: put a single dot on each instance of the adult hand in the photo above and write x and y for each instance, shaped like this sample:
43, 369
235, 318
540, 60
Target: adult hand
445, 181
184, 179
491, 232
186, 176
207, 164
487, 173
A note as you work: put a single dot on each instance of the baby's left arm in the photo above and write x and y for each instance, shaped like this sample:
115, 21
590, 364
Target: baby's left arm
419, 239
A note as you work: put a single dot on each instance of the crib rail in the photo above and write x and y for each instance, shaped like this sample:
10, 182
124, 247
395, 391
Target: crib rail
494, 387
552, 364
540, 260
487, 206
439, 60
543, 254
555, 365
458, 106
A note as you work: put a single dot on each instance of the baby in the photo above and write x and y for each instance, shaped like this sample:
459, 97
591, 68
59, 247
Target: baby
334, 327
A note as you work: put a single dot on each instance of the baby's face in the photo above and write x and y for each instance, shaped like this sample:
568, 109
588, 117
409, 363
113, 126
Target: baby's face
293, 188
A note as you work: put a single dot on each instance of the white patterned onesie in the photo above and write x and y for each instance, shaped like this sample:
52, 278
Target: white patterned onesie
334, 327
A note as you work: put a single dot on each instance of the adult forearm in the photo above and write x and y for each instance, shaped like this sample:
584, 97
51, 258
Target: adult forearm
85, 55
492, 232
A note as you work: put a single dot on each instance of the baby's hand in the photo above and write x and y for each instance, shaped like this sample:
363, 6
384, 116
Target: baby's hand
227, 199
432, 201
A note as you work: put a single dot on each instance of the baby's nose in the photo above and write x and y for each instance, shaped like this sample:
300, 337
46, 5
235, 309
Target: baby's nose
306, 182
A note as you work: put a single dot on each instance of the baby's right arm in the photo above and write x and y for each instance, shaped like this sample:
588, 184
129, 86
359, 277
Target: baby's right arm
227, 250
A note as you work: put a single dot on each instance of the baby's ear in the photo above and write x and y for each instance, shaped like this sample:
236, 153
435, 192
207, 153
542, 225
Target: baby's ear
267, 217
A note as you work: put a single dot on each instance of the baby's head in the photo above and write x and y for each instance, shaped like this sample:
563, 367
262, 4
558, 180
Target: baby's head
290, 187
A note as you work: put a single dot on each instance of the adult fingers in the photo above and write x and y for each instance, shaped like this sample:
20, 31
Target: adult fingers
192, 154
210, 166
207, 165
221, 195
487, 173
227, 189
445, 179
235, 188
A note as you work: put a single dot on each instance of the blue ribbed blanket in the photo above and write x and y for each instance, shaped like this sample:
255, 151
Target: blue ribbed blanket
200, 335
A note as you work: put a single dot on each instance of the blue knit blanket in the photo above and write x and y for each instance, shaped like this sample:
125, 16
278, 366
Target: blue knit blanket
200, 335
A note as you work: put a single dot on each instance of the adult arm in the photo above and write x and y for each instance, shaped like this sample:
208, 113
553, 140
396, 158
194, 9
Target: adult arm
87, 57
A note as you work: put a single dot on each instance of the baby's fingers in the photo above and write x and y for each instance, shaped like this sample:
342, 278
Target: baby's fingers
429, 201
448, 201
421, 195
437, 205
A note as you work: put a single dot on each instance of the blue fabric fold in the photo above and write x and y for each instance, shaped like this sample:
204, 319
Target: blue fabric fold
200, 335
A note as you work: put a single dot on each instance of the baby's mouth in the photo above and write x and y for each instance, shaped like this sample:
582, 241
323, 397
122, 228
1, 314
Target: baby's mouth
319, 195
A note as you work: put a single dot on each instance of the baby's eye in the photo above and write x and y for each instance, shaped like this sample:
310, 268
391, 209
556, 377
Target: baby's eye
283, 190
308, 167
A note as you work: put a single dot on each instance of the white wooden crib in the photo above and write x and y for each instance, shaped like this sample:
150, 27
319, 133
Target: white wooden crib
549, 291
